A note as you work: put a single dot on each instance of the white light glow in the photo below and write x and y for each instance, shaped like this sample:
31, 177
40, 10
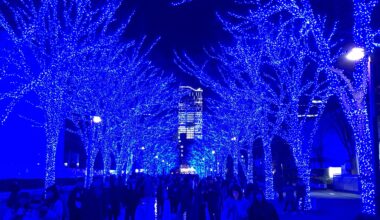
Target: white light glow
308, 116
187, 170
355, 54
316, 101
334, 171
66, 164
96, 119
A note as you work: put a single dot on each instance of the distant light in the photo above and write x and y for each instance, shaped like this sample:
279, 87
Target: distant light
187, 170
213, 152
136, 170
77, 164
156, 157
163, 161
96, 119
242, 156
316, 101
334, 171
181, 146
355, 54
65, 164
191, 88
38, 164
233, 139
142, 148
308, 116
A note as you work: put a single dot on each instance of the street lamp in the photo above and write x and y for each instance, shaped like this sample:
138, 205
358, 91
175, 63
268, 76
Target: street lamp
355, 54
96, 119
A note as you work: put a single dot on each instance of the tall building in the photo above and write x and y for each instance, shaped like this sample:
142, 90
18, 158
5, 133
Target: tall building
189, 119
190, 113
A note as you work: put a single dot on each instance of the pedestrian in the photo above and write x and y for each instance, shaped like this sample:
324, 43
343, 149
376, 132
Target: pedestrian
234, 207
261, 209
52, 207
290, 199
75, 202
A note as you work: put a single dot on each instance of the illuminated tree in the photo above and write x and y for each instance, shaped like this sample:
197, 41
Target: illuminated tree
134, 100
226, 108
351, 91
353, 99
45, 41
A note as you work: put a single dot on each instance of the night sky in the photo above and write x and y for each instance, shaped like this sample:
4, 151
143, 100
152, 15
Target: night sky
189, 27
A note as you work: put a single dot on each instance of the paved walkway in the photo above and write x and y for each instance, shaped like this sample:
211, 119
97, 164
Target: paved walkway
327, 205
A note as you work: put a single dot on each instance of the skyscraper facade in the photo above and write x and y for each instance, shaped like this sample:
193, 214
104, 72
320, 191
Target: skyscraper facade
189, 120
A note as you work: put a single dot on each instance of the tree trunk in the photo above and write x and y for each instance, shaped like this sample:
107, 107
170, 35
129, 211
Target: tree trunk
302, 163
90, 162
269, 189
235, 158
106, 164
250, 166
364, 153
304, 174
52, 129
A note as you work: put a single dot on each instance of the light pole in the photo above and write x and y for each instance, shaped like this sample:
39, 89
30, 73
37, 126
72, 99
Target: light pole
96, 119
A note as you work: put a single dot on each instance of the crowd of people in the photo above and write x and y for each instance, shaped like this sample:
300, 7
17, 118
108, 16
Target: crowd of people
144, 196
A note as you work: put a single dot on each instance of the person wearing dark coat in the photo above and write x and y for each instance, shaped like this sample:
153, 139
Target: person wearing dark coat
75, 203
174, 197
93, 204
112, 199
261, 209
186, 196
290, 199
13, 196
213, 200
160, 199
131, 201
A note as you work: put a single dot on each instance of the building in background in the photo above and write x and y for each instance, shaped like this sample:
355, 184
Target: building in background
189, 120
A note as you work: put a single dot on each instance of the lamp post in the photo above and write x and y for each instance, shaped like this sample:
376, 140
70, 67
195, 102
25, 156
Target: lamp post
357, 54
96, 119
